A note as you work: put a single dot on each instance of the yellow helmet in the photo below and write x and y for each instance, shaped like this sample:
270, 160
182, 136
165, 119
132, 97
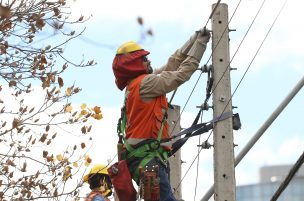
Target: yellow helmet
128, 47
98, 168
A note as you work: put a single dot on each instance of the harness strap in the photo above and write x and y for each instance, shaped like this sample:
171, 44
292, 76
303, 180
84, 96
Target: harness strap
195, 129
147, 155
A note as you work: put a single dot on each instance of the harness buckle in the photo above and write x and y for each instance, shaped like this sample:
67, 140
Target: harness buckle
154, 145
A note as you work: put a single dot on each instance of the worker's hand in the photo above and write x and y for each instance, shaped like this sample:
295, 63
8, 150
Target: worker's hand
199, 46
204, 36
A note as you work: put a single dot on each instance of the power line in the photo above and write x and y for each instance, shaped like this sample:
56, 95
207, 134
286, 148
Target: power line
210, 192
288, 178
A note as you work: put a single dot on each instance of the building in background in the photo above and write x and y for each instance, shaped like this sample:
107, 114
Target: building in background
271, 178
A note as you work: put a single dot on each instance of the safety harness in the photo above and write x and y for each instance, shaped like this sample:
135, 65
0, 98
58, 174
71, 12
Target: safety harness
147, 149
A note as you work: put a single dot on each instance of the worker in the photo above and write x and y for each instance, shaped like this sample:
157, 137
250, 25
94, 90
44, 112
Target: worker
146, 103
100, 183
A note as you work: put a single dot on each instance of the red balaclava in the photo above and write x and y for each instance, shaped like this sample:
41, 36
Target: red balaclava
128, 66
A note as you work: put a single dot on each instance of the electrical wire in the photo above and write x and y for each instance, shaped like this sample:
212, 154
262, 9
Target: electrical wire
213, 11
263, 41
211, 15
187, 170
256, 53
252, 22
198, 162
260, 8
195, 87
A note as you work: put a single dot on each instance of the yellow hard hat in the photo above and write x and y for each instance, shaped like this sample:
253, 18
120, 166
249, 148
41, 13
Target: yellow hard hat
98, 168
128, 47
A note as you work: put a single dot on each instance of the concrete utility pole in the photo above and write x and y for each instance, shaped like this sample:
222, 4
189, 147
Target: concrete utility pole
224, 176
175, 160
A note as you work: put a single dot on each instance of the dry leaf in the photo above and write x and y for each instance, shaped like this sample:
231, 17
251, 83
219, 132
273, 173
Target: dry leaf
97, 116
59, 157
60, 81
140, 20
83, 106
43, 137
68, 91
68, 109
97, 109
81, 18
75, 164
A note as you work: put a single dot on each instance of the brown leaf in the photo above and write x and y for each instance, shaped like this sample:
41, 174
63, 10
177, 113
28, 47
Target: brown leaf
15, 123
97, 110
55, 192
150, 32
6, 26
97, 116
89, 129
62, 2
43, 137
81, 18
40, 23
84, 130
140, 20
76, 90
47, 128
49, 158
24, 167
60, 81
4, 12
45, 153
68, 91
83, 145
88, 160
43, 59
12, 83
54, 136
56, 11
31, 110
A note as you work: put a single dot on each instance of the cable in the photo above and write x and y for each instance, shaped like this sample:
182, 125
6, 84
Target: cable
211, 15
197, 165
261, 6
288, 178
195, 87
213, 11
249, 64
263, 41
187, 170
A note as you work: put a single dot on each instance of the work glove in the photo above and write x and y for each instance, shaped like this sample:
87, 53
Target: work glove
199, 46
187, 46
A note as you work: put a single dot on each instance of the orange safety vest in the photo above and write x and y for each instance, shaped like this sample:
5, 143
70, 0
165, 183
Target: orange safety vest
144, 118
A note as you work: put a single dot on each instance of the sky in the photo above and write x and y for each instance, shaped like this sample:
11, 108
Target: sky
272, 74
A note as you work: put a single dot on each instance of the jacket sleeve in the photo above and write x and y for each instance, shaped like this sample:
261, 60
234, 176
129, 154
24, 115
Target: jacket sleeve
177, 71
173, 63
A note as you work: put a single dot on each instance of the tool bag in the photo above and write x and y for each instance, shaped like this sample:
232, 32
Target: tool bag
122, 181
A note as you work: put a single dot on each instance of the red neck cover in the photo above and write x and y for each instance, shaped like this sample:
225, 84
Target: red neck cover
128, 66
